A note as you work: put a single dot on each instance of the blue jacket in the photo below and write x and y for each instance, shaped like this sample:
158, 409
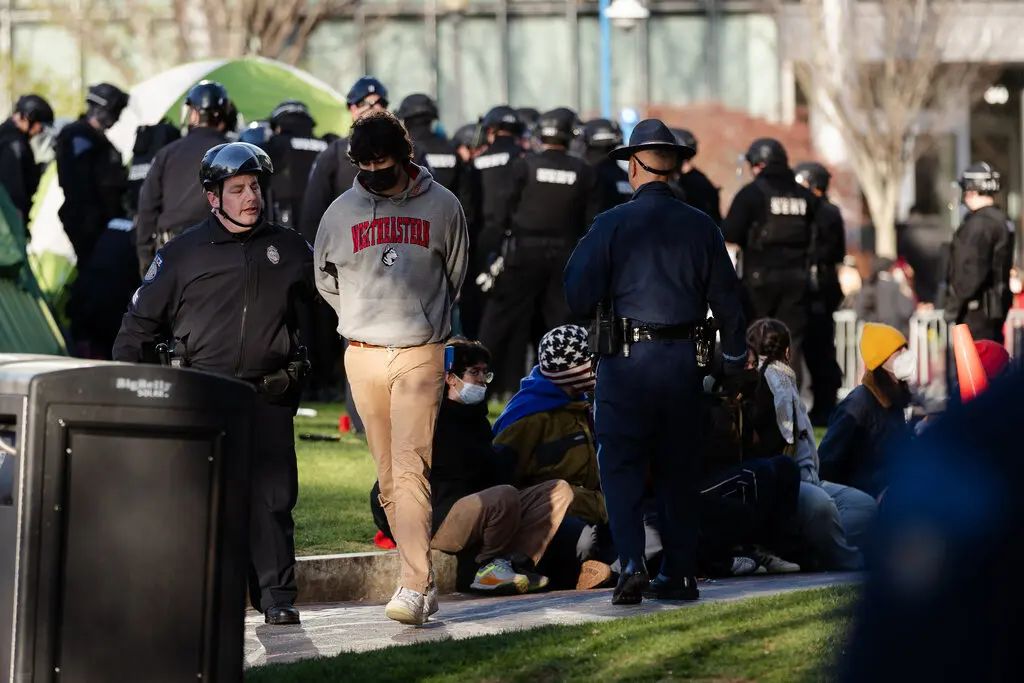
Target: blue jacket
661, 262
537, 394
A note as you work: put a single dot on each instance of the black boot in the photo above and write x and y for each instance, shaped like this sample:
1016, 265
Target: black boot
664, 588
282, 615
632, 582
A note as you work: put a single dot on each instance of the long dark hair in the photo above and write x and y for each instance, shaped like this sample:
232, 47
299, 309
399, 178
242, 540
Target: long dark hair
768, 339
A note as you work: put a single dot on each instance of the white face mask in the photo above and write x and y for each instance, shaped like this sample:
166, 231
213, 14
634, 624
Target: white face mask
471, 394
903, 366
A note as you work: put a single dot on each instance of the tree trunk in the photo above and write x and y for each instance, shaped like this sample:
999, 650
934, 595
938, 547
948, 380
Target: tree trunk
882, 198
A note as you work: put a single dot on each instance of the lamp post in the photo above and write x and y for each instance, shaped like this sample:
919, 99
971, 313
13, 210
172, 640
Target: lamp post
623, 13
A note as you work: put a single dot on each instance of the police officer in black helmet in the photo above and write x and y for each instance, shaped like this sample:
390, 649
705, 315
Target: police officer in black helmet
171, 199
293, 148
981, 254
554, 199
771, 220
90, 170
228, 290
655, 265
19, 174
529, 117
601, 136
829, 250
692, 186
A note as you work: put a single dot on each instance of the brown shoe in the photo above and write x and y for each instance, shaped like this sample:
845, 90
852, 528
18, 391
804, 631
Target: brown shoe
594, 574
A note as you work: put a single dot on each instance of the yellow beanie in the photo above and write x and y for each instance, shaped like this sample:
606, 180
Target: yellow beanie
878, 342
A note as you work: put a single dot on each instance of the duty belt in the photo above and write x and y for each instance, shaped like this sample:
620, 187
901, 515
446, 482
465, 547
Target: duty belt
636, 331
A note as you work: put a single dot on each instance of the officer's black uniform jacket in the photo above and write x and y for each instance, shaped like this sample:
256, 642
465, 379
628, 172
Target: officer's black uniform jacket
699, 192
18, 171
831, 250
658, 261
94, 180
442, 157
293, 152
554, 197
787, 243
497, 190
172, 199
613, 186
229, 301
981, 255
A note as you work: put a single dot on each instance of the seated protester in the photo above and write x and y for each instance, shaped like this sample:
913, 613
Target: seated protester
506, 530
546, 432
831, 517
872, 415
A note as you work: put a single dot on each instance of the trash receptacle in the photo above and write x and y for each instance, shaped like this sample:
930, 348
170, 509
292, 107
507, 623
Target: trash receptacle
123, 529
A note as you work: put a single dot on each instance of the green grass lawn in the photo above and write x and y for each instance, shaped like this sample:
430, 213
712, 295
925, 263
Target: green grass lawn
789, 638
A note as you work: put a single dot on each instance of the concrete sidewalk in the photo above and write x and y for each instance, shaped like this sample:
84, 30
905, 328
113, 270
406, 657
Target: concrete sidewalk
327, 630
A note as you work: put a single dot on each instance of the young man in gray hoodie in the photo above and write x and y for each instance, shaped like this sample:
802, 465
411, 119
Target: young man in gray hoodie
390, 257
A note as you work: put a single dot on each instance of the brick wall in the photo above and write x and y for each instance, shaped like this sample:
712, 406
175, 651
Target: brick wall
723, 134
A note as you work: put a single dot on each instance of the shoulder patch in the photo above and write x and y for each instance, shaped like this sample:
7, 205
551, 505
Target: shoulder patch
154, 268
80, 145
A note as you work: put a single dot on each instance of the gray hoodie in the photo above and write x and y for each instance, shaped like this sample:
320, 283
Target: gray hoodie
391, 267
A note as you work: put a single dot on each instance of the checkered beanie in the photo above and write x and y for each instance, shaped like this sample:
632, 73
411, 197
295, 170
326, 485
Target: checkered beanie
565, 359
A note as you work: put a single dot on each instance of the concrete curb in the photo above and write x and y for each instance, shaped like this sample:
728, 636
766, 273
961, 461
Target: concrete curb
353, 577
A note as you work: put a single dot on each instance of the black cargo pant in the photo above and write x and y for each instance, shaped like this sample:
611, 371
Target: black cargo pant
531, 286
274, 489
783, 295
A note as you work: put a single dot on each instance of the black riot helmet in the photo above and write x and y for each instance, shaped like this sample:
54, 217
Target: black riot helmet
767, 151
417, 106
233, 159
558, 126
503, 118
813, 175
106, 102
258, 133
529, 116
466, 136
34, 109
980, 177
363, 88
210, 99
685, 138
602, 134
290, 109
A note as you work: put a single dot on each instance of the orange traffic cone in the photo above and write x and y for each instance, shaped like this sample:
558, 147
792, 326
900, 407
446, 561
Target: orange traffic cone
969, 371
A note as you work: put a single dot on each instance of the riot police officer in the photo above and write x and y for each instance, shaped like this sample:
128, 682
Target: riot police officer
529, 117
465, 139
771, 221
601, 136
554, 198
90, 170
227, 289
653, 265
294, 149
692, 186
828, 251
19, 174
171, 199
981, 254
148, 141
257, 133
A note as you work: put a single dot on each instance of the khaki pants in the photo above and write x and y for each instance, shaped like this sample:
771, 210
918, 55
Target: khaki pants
503, 520
397, 393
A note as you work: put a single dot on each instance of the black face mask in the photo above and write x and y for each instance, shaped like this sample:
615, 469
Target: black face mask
381, 180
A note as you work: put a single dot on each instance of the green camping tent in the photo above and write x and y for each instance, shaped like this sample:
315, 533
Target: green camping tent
26, 325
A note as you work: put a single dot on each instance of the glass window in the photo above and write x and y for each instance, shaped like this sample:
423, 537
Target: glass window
469, 82
678, 66
398, 55
332, 54
540, 63
748, 64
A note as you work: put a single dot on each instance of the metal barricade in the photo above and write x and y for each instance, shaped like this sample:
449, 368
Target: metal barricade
1014, 332
929, 340
848, 329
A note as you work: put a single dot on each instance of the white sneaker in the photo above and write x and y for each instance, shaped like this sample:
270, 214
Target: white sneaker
407, 607
743, 566
773, 564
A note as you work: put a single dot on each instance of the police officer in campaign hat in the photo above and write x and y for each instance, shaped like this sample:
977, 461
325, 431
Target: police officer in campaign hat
601, 136
228, 289
649, 269
826, 295
981, 254
554, 199
294, 149
171, 199
19, 173
692, 186
771, 219
90, 170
